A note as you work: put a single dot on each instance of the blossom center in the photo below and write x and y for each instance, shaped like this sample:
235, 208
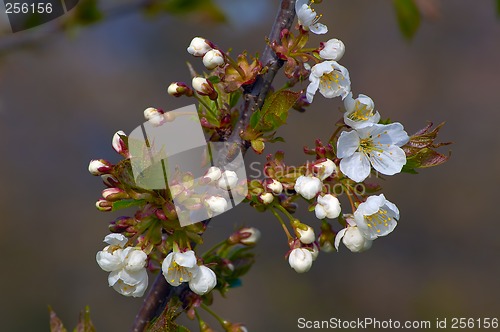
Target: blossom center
379, 218
367, 146
179, 273
361, 112
330, 79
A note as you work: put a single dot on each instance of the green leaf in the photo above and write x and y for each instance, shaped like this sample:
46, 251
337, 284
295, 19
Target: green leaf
498, 8
126, 203
408, 17
56, 324
424, 158
84, 322
166, 321
258, 145
207, 8
275, 111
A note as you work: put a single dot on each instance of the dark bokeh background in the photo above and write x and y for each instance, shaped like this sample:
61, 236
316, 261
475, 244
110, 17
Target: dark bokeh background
60, 105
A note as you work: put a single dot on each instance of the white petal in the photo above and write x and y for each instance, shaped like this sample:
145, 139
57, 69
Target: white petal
320, 212
109, 261
349, 103
347, 144
338, 237
185, 259
203, 281
392, 134
133, 278
135, 260
113, 278
318, 28
311, 89
389, 161
116, 239
356, 167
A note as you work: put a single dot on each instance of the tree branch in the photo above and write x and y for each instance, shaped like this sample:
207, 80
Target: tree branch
254, 97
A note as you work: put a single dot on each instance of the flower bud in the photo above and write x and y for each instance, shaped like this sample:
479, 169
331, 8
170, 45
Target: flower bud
332, 50
204, 87
308, 186
305, 236
213, 59
266, 198
212, 174
109, 180
328, 207
199, 46
249, 235
275, 186
325, 169
154, 116
300, 259
103, 205
353, 239
100, 167
203, 280
228, 180
216, 204
119, 144
114, 194
178, 89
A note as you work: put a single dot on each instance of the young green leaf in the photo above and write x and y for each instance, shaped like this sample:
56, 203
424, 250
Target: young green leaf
408, 17
275, 111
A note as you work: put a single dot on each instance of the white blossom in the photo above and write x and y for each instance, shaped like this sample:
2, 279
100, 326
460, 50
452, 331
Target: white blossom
199, 46
203, 280
328, 206
308, 186
325, 169
179, 267
300, 259
376, 217
378, 145
213, 59
216, 204
306, 236
308, 18
128, 274
333, 49
360, 112
276, 187
228, 180
330, 78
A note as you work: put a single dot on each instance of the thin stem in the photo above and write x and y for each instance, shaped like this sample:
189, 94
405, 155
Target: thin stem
282, 209
350, 201
289, 237
219, 319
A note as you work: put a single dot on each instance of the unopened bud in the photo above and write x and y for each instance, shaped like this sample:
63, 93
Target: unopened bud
103, 205
305, 235
266, 198
154, 116
109, 180
100, 167
228, 180
199, 46
119, 144
249, 235
275, 186
204, 87
213, 59
114, 194
212, 174
178, 89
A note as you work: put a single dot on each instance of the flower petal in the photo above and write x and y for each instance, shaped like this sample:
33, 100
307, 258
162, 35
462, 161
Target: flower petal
356, 167
133, 278
109, 261
347, 144
116, 239
318, 28
338, 237
389, 161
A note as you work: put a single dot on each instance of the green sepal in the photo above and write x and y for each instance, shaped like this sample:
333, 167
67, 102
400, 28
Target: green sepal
126, 203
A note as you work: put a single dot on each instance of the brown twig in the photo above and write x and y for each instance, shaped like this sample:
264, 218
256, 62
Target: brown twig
254, 97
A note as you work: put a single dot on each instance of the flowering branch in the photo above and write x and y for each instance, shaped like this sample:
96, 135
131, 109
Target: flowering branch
254, 96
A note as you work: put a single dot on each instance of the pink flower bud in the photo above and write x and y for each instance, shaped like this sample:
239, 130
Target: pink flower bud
119, 144
114, 194
154, 116
100, 167
109, 180
103, 205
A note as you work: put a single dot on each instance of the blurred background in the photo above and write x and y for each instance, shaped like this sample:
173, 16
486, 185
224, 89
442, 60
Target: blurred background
61, 102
